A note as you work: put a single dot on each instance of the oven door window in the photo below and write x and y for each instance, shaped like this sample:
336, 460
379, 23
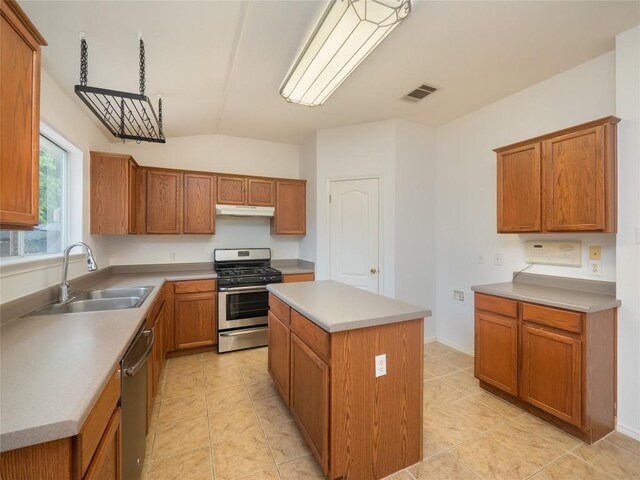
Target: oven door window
247, 305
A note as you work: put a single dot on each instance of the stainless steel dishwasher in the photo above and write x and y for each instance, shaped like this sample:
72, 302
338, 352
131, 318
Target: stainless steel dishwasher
134, 403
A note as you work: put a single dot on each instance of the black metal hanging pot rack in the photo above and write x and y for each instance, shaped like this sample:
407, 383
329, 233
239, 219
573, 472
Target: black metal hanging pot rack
129, 116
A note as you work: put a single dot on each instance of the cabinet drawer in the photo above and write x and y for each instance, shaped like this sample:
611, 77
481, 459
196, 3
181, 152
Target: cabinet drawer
89, 437
298, 277
279, 309
501, 306
195, 286
315, 337
552, 317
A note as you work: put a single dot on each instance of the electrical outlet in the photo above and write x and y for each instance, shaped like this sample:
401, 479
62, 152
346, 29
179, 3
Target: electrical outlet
172, 256
497, 259
458, 296
381, 365
595, 268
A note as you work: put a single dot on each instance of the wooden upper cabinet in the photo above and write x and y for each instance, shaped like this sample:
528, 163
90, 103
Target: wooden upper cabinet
19, 118
291, 207
519, 189
231, 190
579, 178
117, 190
260, 192
199, 203
565, 181
164, 201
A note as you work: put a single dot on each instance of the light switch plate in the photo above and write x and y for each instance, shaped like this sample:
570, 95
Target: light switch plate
381, 365
595, 252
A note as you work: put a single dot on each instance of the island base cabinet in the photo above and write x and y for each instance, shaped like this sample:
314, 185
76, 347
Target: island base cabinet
279, 355
551, 373
376, 422
310, 399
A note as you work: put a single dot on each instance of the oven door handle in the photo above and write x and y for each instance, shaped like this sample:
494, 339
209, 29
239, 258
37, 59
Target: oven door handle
248, 289
242, 332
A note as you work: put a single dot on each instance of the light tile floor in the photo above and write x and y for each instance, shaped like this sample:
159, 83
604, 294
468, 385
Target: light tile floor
218, 417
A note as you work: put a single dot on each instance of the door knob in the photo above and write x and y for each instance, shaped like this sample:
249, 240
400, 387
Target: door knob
373, 270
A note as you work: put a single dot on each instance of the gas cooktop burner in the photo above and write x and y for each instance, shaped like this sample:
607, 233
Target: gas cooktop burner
242, 271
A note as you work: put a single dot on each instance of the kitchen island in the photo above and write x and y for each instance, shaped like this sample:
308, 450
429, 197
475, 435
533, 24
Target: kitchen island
348, 364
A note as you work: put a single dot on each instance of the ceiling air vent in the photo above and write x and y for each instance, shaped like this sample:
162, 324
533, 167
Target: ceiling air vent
419, 93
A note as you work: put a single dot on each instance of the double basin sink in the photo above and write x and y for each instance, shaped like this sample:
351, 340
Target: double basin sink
116, 298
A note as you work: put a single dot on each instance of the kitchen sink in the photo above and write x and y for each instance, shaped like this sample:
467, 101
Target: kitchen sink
118, 292
117, 298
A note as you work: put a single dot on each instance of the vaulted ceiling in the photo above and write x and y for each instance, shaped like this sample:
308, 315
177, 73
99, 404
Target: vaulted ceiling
219, 64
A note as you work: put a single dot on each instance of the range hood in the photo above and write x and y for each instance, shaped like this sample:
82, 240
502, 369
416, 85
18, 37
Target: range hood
244, 211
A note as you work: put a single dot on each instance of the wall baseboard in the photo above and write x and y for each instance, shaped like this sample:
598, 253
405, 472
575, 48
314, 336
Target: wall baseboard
454, 346
430, 339
629, 432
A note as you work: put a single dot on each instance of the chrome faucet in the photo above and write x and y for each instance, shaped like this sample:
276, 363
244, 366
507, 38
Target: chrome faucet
63, 289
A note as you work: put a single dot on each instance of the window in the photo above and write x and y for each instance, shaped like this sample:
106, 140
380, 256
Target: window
50, 235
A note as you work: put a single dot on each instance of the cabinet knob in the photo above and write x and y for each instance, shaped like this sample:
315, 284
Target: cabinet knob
373, 270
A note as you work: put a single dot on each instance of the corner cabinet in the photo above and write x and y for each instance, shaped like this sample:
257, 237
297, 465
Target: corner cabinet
558, 364
19, 118
117, 194
291, 208
565, 181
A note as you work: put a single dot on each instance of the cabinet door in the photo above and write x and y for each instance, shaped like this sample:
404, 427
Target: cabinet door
279, 355
310, 399
194, 320
199, 203
496, 350
19, 118
291, 208
519, 199
260, 192
164, 201
134, 194
551, 372
231, 190
107, 461
574, 181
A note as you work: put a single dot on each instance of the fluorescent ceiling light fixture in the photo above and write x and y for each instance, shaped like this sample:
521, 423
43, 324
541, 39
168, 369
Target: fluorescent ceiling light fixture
348, 32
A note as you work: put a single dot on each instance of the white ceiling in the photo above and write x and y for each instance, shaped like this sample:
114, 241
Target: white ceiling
219, 64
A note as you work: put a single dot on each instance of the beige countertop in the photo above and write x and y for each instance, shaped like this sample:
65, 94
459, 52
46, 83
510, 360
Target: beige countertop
561, 292
55, 366
294, 270
337, 307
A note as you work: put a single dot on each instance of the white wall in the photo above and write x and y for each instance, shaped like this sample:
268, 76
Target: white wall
308, 170
348, 152
214, 153
466, 187
60, 113
415, 219
628, 241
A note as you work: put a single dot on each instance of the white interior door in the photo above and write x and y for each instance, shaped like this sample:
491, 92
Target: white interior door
355, 233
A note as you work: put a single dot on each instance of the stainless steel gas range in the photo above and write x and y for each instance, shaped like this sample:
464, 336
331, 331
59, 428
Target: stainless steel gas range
243, 300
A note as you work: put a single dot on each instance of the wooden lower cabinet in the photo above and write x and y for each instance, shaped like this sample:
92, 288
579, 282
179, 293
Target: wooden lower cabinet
298, 277
94, 454
558, 364
356, 425
309, 400
551, 372
194, 314
496, 350
279, 355
107, 461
